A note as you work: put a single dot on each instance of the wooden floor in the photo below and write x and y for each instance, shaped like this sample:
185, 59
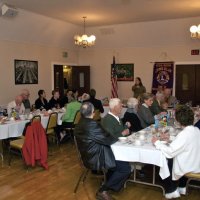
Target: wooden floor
58, 182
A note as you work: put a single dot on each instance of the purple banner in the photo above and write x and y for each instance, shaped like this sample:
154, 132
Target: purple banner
163, 75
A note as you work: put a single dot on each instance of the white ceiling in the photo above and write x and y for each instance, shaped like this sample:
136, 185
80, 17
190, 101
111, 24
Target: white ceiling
107, 12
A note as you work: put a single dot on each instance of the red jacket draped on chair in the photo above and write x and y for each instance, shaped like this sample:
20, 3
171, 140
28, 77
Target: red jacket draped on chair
35, 145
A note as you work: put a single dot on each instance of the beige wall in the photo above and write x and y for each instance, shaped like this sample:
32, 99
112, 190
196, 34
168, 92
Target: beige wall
141, 44
31, 36
45, 56
100, 61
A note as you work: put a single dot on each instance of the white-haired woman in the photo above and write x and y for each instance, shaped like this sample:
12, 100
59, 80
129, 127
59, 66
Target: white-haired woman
144, 113
131, 115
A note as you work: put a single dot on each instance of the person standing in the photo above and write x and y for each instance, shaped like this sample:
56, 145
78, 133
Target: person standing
138, 88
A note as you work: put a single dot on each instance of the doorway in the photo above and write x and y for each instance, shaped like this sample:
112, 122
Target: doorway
188, 83
72, 77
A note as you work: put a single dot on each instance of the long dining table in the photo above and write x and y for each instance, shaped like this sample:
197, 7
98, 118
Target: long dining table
14, 128
145, 153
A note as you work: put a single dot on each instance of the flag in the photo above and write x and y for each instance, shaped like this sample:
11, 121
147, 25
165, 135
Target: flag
114, 87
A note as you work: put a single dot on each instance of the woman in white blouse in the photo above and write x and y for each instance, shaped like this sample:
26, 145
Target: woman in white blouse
183, 153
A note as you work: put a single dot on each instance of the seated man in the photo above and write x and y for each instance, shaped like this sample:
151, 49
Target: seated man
156, 106
17, 105
94, 145
112, 123
96, 103
25, 96
182, 153
171, 100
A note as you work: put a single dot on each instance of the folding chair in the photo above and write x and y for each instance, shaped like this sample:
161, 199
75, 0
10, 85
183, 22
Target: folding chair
51, 126
16, 145
85, 170
192, 177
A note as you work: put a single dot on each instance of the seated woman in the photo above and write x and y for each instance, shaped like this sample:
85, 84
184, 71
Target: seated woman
144, 113
182, 153
71, 110
68, 117
54, 102
41, 103
131, 115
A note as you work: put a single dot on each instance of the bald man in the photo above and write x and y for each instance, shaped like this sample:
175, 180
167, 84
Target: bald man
25, 98
17, 104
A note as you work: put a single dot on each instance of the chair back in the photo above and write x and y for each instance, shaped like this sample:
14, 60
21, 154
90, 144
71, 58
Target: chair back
52, 122
36, 118
97, 116
77, 118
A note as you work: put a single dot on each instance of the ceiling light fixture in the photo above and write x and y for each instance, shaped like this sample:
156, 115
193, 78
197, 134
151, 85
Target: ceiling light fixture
195, 31
84, 40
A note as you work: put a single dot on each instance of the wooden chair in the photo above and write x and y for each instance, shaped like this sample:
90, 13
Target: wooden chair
16, 145
97, 115
85, 170
1, 150
51, 126
75, 122
192, 177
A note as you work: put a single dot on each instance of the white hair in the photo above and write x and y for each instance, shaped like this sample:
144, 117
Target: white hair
114, 102
132, 102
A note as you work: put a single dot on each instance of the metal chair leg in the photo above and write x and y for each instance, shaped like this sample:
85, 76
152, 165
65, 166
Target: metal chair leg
79, 180
9, 156
86, 173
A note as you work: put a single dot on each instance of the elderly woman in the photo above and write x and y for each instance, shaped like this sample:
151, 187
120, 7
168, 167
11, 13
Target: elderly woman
182, 153
144, 113
131, 115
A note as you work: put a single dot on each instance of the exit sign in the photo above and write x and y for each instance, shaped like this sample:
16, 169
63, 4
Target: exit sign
195, 52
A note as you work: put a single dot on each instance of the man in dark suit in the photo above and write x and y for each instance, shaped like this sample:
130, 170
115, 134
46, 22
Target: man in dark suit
96, 103
94, 146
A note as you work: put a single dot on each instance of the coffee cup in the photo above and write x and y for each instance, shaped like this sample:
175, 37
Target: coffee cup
122, 139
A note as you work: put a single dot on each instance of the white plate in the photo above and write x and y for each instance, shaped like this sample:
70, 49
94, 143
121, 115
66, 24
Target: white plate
163, 142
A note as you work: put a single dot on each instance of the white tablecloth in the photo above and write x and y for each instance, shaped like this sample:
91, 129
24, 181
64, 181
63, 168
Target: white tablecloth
147, 154
15, 128
106, 109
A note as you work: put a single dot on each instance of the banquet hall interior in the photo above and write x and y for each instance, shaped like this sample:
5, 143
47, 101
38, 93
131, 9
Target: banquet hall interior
44, 34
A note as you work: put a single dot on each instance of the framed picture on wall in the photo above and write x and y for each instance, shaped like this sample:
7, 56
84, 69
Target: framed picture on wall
125, 72
26, 72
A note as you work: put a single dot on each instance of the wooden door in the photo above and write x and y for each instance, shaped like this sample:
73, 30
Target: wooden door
58, 79
188, 83
81, 78
197, 88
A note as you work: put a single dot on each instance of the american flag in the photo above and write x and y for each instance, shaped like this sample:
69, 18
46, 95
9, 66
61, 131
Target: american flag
114, 87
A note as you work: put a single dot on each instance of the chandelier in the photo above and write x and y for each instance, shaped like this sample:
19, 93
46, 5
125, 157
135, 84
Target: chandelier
84, 40
195, 31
